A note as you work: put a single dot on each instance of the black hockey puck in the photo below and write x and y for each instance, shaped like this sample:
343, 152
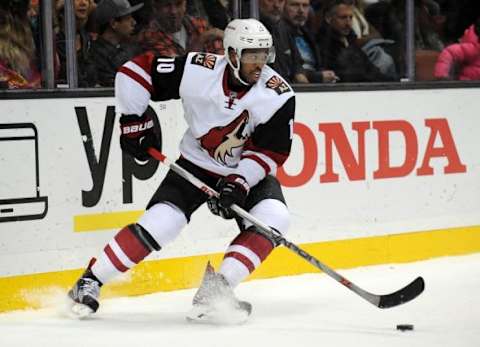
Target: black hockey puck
404, 327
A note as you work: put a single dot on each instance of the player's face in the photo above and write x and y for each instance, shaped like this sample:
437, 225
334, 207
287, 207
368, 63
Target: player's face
252, 63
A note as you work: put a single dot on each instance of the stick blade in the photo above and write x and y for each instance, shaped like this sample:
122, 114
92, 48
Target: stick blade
406, 294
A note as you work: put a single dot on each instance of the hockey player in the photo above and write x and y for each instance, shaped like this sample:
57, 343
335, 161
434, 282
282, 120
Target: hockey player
240, 116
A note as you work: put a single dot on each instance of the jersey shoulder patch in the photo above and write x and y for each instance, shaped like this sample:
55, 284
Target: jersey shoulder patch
205, 60
278, 85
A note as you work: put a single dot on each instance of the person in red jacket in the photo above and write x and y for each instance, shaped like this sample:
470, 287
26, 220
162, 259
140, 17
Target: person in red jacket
461, 61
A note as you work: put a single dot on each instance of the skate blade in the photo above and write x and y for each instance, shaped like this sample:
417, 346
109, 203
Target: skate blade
225, 315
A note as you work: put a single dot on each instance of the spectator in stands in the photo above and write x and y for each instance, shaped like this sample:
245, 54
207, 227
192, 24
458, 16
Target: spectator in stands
338, 48
461, 61
361, 27
17, 48
379, 50
296, 14
426, 36
33, 15
87, 74
114, 46
288, 61
388, 17
173, 33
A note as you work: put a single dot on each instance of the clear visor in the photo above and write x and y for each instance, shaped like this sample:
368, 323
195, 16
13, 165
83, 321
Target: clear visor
260, 57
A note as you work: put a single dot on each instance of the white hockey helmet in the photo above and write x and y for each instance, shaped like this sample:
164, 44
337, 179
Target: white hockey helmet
243, 34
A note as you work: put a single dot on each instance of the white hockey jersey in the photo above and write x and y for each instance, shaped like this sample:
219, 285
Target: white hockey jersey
247, 131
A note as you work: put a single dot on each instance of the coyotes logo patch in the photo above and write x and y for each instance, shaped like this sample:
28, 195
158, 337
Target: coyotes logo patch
278, 85
205, 60
220, 141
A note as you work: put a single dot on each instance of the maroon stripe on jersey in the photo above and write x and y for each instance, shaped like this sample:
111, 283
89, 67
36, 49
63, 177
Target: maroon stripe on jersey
259, 161
256, 242
278, 158
242, 259
114, 259
131, 245
137, 78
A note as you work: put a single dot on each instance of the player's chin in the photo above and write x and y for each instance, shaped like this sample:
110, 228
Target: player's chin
254, 77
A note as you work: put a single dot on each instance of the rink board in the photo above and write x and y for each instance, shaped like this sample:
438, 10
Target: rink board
374, 178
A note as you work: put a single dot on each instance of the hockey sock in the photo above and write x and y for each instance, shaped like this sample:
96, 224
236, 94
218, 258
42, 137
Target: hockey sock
246, 252
129, 247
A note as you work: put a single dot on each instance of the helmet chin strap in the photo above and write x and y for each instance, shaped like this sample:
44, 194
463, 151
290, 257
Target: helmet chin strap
236, 73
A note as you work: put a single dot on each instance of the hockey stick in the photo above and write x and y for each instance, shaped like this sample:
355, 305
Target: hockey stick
401, 296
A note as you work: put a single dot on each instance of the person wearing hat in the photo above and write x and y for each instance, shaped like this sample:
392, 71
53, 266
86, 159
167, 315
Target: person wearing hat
114, 45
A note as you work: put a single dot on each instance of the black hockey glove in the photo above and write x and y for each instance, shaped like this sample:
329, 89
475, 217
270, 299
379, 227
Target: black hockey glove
137, 135
233, 189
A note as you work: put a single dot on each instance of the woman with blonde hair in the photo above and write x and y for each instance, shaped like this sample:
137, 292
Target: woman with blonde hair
17, 47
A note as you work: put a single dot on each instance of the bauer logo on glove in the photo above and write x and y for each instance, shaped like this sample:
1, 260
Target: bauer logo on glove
137, 128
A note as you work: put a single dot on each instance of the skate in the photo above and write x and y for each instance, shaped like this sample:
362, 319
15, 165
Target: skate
84, 295
215, 303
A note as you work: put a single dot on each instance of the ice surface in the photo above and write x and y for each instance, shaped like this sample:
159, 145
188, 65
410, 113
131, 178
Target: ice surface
307, 310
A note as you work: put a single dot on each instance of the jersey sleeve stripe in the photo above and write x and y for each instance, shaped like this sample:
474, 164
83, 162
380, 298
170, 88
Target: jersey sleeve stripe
139, 70
137, 78
278, 158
